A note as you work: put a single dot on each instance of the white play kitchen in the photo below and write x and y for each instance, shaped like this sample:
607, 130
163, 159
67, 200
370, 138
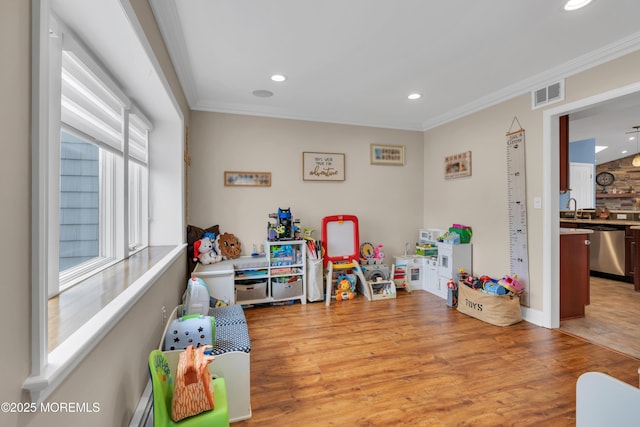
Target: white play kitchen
434, 263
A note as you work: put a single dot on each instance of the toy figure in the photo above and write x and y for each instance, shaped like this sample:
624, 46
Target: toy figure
379, 253
284, 219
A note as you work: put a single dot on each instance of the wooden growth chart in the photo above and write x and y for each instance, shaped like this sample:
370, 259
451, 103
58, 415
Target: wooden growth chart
517, 202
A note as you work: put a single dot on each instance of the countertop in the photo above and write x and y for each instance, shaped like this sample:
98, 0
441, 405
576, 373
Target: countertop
588, 216
600, 221
566, 231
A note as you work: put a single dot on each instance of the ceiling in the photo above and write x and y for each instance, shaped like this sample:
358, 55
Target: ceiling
609, 123
356, 61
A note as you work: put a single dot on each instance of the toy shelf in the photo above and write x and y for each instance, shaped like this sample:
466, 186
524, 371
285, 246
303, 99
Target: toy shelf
283, 278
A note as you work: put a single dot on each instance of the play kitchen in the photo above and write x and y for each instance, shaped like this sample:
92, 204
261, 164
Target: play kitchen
613, 244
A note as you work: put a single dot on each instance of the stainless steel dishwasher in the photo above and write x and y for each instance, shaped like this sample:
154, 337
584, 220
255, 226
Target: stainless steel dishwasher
607, 250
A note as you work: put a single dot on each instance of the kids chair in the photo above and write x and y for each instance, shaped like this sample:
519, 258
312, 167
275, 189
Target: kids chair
341, 248
162, 375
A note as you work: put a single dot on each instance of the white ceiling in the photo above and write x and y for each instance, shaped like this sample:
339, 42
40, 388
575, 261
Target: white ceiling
609, 123
356, 61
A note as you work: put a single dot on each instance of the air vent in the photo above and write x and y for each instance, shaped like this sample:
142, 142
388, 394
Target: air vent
547, 95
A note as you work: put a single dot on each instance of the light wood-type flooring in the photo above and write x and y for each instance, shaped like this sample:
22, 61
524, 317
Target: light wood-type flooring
612, 317
413, 361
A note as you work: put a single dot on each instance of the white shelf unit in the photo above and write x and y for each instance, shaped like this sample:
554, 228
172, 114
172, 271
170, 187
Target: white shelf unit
282, 279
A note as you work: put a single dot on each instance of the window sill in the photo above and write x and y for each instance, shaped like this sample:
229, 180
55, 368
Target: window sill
65, 357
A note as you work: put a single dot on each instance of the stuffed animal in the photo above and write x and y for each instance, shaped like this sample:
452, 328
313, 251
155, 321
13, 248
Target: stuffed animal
512, 284
346, 288
203, 251
230, 247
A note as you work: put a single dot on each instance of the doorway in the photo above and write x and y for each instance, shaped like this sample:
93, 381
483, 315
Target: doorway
550, 316
551, 252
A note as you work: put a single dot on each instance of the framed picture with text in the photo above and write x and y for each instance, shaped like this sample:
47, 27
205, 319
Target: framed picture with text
387, 154
457, 165
323, 166
247, 179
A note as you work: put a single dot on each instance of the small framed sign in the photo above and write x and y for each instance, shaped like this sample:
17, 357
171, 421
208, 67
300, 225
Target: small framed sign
247, 179
323, 166
457, 165
387, 154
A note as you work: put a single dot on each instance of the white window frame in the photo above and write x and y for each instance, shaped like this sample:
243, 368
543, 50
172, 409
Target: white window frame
49, 369
108, 194
113, 144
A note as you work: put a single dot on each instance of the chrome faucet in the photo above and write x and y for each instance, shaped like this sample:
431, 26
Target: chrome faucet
575, 206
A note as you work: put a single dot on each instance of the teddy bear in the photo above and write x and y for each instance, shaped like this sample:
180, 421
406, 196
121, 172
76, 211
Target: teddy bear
204, 252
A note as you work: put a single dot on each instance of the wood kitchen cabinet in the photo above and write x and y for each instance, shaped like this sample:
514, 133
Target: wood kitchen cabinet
574, 274
630, 250
564, 154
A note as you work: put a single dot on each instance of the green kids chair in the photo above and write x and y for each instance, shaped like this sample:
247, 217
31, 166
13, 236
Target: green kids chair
162, 380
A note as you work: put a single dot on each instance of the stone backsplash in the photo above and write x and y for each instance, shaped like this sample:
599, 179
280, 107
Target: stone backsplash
623, 194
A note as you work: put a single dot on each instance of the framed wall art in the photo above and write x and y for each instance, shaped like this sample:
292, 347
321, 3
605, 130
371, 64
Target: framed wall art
247, 179
323, 166
387, 154
457, 165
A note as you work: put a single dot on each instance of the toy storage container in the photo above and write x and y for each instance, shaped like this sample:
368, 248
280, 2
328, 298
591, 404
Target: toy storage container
250, 291
283, 289
219, 279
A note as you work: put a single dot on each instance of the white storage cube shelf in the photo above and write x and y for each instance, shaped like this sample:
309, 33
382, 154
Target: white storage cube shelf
281, 279
279, 275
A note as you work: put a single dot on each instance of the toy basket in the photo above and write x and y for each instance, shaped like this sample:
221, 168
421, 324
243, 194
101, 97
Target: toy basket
499, 310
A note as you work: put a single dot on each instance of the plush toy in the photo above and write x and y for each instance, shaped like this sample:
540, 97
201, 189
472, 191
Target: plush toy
346, 288
203, 251
512, 284
230, 247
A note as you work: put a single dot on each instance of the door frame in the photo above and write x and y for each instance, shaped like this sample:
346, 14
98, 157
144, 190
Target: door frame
551, 200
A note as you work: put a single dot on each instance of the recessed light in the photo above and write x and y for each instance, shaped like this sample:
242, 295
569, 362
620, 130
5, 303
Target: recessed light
414, 96
576, 4
278, 78
632, 138
263, 93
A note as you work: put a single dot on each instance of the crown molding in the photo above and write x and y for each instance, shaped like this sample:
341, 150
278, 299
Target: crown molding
166, 15
584, 62
277, 113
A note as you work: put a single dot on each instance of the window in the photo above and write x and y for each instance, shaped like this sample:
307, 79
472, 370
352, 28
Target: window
94, 142
79, 201
138, 182
95, 160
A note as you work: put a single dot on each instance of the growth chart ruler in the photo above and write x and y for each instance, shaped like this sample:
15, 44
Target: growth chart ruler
517, 201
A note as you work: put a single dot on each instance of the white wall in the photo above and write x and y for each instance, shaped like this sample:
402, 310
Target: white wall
386, 199
481, 200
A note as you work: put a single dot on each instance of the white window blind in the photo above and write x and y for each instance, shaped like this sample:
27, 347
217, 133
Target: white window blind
87, 105
138, 137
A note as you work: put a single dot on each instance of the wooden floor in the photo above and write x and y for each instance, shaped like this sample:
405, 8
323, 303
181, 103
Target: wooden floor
414, 361
611, 318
